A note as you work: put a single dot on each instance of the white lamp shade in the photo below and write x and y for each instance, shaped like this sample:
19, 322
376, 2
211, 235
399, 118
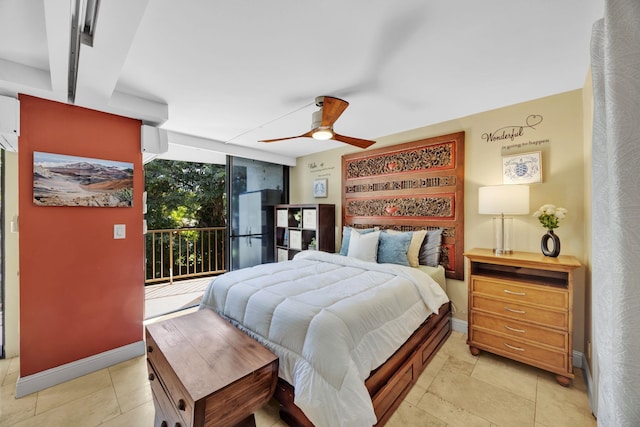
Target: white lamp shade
503, 199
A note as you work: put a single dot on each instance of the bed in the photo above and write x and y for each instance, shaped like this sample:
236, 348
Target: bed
352, 336
412, 188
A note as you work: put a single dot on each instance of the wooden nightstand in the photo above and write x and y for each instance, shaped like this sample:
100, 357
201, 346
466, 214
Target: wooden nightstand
205, 372
521, 307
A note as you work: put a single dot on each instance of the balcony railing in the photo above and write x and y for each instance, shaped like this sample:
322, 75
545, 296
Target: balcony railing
184, 252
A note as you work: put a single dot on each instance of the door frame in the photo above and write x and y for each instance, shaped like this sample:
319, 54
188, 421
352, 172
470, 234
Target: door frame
3, 274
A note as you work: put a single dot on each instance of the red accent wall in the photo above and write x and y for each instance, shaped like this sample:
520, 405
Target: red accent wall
81, 291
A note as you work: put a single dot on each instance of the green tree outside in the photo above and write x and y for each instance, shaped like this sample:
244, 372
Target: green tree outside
184, 194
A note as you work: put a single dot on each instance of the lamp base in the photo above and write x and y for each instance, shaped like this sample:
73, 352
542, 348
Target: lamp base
502, 251
502, 235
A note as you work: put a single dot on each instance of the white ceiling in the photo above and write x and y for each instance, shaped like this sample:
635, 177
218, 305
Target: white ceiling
221, 75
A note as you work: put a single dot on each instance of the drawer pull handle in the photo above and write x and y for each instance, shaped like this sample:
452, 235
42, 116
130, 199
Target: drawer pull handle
513, 348
514, 310
509, 328
152, 377
181, 405
164, 424
178, 425
507, 291
149, 349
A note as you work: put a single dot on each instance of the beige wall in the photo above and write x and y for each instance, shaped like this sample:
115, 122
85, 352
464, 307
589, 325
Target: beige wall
563, 178
12, 288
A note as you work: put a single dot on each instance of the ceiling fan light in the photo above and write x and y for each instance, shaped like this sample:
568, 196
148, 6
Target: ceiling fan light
322, 134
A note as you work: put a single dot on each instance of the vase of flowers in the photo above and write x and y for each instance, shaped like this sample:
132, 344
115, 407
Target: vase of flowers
312, 244
549, 216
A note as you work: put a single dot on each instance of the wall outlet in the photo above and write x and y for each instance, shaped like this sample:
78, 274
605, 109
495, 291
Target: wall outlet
119, 231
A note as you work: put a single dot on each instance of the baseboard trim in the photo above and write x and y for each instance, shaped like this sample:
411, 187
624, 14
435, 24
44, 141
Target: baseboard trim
459, 325
578, 359
59, 374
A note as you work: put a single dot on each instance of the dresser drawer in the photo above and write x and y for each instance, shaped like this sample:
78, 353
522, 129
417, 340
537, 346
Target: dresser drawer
394, 388
520, 330
554, 319
176, 392
540, 295
165, 411
555, 361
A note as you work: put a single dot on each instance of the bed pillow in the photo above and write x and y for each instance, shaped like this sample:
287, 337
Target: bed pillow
437, 274
417, 237
346, 235
364, 246
430, 249
393, 248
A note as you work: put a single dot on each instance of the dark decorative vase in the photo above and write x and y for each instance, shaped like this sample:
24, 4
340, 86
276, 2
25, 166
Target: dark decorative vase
555, 241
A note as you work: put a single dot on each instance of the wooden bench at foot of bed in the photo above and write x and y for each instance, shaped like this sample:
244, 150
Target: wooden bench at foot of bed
205, 372
389, 384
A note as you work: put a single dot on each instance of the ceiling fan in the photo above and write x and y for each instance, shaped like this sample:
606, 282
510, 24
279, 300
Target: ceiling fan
322, 123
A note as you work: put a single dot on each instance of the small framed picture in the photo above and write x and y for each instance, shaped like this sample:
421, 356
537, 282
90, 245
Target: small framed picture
320, 187
523, 168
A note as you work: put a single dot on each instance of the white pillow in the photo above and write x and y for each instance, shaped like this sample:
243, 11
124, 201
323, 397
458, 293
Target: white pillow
364, 246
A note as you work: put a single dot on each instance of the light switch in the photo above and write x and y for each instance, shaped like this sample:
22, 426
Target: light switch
119, 231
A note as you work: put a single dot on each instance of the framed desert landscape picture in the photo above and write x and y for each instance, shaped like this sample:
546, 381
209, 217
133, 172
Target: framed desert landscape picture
61, 180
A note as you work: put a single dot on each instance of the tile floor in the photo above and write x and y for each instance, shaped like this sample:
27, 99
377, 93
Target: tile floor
456, 389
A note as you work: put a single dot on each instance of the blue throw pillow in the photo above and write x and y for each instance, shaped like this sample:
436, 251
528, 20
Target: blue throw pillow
430, 250
346, 236
393, 248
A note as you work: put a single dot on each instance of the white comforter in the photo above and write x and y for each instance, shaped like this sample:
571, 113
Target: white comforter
331, 320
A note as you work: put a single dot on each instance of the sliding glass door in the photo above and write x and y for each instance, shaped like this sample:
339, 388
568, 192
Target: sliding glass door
254, 188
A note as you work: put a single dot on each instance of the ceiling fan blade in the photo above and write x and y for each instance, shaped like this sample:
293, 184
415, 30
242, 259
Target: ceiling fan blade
305, 135
332, 108
357, 142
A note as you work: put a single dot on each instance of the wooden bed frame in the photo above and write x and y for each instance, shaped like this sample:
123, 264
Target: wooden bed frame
390, 383
410, 186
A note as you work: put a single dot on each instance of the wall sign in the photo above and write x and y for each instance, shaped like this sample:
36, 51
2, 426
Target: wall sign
515, 136
320, 168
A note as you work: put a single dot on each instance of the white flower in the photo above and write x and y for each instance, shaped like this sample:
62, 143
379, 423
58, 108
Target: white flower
549, 215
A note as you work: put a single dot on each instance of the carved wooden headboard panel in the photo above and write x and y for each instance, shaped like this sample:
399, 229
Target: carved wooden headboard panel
410, 186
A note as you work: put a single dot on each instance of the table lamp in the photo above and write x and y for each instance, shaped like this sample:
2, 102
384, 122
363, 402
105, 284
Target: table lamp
501, 200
